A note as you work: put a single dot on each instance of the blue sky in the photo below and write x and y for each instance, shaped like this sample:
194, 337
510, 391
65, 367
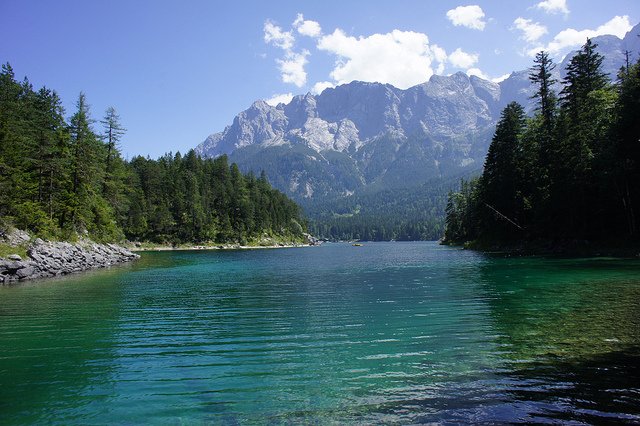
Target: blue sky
177, 71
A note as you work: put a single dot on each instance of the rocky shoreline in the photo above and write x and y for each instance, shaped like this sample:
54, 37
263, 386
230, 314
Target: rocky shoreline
264, 243
50, 259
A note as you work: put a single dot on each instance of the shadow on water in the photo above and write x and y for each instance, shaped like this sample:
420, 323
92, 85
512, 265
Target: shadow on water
594, 390
601, 389
567, 334
569, 331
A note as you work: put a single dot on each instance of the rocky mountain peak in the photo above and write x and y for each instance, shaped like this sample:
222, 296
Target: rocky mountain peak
361, 133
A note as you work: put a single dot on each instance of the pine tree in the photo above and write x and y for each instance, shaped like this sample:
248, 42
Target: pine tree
87, 207
113, 132
587, 110
584, 75
541, 76
52, 156
499, 185
626, 132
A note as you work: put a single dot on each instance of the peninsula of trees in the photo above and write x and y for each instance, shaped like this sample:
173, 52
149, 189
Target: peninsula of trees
60, 179
569, 173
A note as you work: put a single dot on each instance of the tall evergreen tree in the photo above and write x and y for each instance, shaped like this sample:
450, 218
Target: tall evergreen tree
499, 185
89, 212
52, 155
112, 133
541, 76
116, 175
539, 140
59, 179
584, 75
626, 132
587, 101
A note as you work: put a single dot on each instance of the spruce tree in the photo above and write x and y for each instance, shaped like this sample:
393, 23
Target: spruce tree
499, 185
587, 107
88, 211
626, 132
541, 76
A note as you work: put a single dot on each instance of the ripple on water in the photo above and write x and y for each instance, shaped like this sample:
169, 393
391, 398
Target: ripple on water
389, 333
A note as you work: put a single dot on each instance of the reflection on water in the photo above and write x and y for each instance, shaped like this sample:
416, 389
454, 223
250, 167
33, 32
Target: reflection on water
388, 332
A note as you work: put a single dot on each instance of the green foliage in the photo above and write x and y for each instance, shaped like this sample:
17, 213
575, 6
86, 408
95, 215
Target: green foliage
187, 199
566, 174
60, 180
402, 214
461, 220
7, 250
501, 182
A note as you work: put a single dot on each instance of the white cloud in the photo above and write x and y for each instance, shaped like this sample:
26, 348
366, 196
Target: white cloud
531, 31
440, 56
461, 59
292, 68
273, 34
400, 58
554, 6
467, 16
478, 73
569, 39
320, 86
282, 98
501, 78
306, 27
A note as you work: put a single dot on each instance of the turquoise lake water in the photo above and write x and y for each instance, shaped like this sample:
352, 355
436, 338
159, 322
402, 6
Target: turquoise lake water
383, 333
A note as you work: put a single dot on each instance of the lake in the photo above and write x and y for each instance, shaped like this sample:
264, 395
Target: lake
383, 333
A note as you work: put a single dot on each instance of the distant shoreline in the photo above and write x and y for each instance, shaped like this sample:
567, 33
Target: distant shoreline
214, 247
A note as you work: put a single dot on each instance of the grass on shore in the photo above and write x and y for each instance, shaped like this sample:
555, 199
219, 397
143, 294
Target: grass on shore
7, 250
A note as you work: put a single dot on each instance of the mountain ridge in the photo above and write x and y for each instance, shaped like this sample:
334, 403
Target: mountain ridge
373, 136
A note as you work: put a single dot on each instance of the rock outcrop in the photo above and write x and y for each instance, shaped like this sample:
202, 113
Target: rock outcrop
363, 137
48, 259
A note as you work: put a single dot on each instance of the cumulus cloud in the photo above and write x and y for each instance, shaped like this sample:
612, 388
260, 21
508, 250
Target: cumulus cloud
554, 6
569, 39
273, 34
531, 31
292, 68
478, 73
440, 56
460, 59
467, 16
282, 98
307, 27
320, 86
400, 58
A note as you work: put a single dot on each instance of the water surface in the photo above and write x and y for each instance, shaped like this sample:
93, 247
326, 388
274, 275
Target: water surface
387, 332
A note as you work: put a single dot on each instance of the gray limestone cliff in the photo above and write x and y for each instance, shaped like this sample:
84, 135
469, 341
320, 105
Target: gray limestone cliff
371, 136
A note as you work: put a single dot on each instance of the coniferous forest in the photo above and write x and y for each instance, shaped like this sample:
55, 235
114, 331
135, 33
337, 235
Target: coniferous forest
569, 173
62, 178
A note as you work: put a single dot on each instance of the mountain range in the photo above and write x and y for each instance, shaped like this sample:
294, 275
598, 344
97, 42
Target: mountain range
359, 139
